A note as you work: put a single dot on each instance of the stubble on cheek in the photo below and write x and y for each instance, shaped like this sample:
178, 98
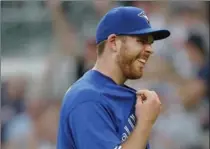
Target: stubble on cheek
128, 64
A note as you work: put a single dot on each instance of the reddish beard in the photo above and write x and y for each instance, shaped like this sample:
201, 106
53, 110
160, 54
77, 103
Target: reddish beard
126, 62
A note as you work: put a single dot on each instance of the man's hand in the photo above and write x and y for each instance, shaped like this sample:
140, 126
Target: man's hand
148, 107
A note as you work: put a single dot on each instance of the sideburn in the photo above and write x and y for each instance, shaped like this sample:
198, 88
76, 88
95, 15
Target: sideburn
124, 60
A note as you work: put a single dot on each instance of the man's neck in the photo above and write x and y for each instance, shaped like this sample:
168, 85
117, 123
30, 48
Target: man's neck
110, 70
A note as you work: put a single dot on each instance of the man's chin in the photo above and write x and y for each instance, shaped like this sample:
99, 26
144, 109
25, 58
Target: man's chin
135, 77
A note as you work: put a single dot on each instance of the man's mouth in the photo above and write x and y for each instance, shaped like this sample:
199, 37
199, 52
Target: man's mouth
143, 61
144, 57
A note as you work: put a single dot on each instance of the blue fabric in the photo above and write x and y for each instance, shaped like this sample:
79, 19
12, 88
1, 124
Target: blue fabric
96, 114
127, 21
204, 73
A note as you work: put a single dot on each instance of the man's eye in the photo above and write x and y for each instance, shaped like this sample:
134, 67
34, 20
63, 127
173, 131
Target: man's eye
144, 41
141, 41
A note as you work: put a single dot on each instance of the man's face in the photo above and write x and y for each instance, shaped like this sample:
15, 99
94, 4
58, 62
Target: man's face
133, 55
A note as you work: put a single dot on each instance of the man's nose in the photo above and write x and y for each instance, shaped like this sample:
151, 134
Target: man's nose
148, 48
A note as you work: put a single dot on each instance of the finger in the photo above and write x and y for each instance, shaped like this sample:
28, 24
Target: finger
141, 97
153, 92
155, 95
139, 101
145, 93
142, 91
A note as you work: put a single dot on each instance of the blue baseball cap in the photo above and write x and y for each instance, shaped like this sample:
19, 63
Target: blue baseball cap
127, 21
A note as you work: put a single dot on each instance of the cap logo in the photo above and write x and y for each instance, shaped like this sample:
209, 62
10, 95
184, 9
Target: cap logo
143, 15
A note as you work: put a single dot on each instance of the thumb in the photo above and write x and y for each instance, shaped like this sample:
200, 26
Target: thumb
145, 94
144, 91
140, 98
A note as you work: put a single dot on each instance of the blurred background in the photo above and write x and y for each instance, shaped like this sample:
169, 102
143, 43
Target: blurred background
47, 45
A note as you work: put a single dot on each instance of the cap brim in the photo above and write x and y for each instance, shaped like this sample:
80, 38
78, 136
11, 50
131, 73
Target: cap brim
157, 34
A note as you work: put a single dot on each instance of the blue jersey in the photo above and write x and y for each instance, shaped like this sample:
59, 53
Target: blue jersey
96, 114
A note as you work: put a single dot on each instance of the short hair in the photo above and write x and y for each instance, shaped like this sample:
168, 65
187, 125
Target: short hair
101, 45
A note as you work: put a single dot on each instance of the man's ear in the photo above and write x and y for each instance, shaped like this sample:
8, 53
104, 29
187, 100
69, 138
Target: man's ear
113, 43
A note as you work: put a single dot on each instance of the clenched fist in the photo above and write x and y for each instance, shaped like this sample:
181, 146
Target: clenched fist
148, 107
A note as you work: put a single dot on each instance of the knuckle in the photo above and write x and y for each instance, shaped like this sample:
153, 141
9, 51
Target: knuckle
142, 91
154, 93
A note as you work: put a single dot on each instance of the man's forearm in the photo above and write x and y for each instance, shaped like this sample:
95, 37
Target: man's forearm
59, 20
63, 30
138, 138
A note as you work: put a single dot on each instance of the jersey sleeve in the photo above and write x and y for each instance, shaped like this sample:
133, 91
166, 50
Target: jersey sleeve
92, 127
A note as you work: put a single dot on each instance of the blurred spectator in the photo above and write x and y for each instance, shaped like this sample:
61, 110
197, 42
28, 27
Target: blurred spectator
60, 70
87, 61
33, 124
196, 93
12, 100
13, 93
84, 16
184, 19
197, 53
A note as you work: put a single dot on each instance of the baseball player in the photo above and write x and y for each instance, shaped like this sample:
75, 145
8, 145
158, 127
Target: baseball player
99, 111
